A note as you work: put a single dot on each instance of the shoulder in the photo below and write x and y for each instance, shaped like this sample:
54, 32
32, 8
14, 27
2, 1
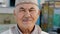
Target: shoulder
7, 32
40, 30
38, 27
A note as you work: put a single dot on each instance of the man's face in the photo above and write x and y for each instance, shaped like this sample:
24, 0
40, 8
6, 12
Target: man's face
26, 14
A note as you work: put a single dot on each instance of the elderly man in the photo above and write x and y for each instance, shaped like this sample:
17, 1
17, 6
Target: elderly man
26, 13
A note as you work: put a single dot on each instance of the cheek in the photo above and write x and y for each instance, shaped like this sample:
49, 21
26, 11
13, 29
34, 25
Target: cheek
20, 15
35, 16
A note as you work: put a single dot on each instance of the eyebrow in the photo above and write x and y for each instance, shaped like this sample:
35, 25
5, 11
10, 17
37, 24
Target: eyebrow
31, 8
21, 8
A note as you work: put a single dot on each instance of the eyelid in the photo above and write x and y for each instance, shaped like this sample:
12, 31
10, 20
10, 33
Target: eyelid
22, 10
32, 8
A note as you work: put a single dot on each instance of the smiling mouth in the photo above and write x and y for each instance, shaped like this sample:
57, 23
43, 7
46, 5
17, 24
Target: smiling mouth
26, 20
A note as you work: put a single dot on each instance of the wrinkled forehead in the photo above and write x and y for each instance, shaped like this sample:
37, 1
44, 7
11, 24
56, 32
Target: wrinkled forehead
27, 5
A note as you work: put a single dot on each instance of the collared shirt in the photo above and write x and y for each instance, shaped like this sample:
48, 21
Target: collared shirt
15, 30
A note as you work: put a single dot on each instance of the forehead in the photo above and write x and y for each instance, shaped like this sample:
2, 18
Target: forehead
27, 6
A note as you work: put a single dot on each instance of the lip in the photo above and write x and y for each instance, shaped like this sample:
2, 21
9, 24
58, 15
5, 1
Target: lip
26, 20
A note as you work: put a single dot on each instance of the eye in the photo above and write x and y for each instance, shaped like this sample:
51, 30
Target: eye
21, 10
31, 10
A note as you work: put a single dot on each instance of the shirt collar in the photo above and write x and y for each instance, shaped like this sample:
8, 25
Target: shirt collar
35, 30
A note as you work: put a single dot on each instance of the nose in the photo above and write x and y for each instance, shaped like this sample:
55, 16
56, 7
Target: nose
27, 14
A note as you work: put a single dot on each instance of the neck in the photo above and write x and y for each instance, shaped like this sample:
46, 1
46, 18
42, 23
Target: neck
26, 30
